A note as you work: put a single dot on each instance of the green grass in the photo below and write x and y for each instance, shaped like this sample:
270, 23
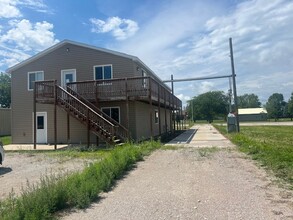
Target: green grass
272, 146
56, 193
5, 140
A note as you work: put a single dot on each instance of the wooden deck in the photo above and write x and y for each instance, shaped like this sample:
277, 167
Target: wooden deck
138, 88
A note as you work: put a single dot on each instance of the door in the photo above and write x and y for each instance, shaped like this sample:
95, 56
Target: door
67, 76
41, 124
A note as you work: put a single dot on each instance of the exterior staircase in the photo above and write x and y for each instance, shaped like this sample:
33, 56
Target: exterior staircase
96, 121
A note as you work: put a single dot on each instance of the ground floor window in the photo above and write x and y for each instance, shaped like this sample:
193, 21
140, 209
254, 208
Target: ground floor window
113, 112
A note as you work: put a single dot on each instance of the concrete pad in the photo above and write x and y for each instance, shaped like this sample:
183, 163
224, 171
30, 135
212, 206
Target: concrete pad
201, 135
16, 147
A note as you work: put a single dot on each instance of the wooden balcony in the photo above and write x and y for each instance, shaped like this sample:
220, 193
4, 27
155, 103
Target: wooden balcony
137, 88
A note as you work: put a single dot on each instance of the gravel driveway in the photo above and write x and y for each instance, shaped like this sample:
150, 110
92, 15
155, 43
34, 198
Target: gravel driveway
194, 181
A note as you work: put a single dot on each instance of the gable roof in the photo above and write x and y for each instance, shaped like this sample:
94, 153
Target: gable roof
62, 43
250, 111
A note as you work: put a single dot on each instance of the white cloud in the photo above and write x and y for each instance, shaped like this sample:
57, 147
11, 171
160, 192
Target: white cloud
193, 46
36, 5
183, 97
8, 9
29, 36
121, 29
206, 86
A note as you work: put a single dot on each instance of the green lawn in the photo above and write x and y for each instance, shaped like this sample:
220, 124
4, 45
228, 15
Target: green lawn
5, 140
272, 146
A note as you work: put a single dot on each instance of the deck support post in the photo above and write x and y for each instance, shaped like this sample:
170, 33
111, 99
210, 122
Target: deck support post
165, 107
55, 115
173, 105
88, 127
68, 128
151, 107
159, 111
35, 117
171, 123
181, 117
127, 108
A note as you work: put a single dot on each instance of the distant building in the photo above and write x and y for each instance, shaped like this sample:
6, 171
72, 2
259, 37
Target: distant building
252, 114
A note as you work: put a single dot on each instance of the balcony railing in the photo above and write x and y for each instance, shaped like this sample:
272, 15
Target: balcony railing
137, 88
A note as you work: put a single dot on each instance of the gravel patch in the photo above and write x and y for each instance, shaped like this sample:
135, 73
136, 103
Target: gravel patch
193, 183
19, 169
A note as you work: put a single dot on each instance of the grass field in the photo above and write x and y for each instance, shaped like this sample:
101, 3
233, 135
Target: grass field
272, 146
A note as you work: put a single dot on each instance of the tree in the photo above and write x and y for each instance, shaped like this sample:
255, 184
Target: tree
290, 107
248, 101
275, 106
5, 90
209, 105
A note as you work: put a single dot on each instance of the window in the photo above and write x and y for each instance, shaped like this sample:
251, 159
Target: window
156, 117
103, 72
112, 112
33, 77
144, 81
40, 122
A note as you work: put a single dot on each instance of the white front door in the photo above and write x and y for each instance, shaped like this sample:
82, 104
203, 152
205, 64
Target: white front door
41, 125
67, 76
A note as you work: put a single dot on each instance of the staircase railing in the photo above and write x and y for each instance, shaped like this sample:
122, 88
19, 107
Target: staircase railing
98, 122
99, 125
120, 130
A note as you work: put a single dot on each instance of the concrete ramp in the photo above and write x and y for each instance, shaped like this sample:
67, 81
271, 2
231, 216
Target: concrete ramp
201, 135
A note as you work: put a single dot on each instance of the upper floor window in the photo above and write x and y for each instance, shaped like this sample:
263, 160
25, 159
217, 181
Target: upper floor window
103, 72
33, 77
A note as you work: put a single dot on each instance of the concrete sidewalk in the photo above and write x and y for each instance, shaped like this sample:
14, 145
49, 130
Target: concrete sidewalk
16, 147
201, 135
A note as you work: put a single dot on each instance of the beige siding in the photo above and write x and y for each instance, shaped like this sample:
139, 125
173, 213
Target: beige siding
79, 58
143, 125
5, 121
83, 60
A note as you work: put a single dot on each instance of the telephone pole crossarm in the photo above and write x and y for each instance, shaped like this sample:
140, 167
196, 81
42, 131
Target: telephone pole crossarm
198, 78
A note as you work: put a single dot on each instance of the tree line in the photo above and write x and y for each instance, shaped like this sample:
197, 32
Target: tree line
207, 106
215, 105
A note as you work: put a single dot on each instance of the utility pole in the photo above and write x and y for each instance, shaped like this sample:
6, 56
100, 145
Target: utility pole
234, 85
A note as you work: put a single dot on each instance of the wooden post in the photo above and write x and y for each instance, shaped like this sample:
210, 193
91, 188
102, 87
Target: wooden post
96, 93
35, 117
55, 115
173, 105
166, 128
171, 123
151, 107
68, 128
88, 127
159, 111
127, 108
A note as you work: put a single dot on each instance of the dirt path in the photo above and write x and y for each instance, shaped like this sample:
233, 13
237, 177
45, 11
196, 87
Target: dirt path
193, 183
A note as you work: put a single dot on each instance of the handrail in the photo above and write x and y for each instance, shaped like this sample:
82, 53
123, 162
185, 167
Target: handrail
80, 102
123, 133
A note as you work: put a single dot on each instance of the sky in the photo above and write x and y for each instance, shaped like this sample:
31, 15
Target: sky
186, 38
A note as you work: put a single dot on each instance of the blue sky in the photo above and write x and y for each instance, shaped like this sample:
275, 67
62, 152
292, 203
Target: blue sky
186, 38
